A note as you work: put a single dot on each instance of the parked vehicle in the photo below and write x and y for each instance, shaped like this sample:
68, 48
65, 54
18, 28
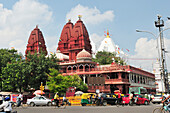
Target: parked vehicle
139, 99
39, 100
157, 99
87, 98
108, 98
138, 90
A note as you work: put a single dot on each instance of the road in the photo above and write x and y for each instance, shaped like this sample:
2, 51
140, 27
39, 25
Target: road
90, 109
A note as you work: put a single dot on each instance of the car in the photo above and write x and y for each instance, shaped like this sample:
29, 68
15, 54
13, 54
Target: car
39, 100
108, 98
140, 99
157, 99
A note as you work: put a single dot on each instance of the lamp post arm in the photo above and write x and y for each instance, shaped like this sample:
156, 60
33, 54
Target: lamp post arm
163, 31
147, 32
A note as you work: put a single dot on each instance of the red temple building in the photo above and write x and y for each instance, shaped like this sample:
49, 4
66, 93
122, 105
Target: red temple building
36, 42
74, 51
73, 39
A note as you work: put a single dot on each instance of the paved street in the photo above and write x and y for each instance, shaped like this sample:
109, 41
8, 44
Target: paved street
90, 109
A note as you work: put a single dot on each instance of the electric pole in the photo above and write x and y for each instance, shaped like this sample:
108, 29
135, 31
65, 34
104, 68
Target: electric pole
160, 24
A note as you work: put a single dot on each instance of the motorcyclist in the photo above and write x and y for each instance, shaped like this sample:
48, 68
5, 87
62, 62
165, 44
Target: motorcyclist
6, 105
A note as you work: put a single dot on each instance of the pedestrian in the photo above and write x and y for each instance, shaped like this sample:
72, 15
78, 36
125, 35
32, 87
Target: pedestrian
166, 96
131, 97
19, 99
6, 105
56, 99
1, 99
119, 97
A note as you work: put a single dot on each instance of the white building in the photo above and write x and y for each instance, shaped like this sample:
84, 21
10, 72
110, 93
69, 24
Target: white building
107, 44
159, 82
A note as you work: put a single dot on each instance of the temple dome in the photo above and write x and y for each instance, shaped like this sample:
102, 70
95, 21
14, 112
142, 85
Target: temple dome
84, 55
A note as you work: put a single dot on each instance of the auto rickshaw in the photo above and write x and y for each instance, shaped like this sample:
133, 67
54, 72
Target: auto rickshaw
87, 98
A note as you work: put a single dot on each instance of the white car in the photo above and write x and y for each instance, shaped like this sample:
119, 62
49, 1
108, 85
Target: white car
157, 99
39, 100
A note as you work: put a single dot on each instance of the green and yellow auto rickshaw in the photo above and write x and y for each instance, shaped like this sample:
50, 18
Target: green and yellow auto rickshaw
87, 98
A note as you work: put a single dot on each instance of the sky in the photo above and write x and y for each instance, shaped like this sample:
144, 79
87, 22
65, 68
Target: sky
121, 17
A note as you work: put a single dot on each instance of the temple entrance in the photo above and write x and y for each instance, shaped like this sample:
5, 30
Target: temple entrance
113, 88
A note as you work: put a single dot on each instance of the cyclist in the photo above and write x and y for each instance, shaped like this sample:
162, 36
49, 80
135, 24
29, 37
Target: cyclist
6, 105
56, 99
168, 106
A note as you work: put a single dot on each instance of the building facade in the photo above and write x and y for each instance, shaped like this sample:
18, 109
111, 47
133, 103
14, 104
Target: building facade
74, 42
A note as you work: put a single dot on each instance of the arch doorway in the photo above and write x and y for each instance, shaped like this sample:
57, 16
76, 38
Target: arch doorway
113, 88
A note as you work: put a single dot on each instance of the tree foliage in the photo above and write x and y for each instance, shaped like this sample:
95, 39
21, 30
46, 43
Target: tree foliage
58, 83
23, 74
103, 57
6, 57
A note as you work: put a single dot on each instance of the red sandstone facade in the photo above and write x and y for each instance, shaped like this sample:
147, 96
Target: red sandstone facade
36, 42
76, 44
73, 39
74, 51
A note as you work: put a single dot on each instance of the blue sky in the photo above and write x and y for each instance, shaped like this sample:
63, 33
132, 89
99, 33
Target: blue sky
120, 17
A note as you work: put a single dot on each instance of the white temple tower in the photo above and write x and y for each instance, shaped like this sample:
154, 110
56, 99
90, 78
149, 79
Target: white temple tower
107, 44
159, 82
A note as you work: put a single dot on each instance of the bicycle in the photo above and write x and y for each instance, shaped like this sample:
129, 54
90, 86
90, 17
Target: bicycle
15, 105
63, 104
119, 102
161, 109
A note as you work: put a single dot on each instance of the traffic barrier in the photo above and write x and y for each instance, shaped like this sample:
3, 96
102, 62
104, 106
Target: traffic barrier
74, 100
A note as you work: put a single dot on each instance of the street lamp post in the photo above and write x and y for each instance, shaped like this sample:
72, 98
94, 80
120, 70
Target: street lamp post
160, 23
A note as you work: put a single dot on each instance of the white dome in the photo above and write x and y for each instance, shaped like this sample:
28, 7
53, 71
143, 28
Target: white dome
61, 56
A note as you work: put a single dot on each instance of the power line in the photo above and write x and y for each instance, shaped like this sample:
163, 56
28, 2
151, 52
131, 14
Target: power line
141, 58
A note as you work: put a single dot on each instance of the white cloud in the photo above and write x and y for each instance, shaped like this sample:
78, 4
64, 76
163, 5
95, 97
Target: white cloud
16, 24
89, 15
147, 53
96, 39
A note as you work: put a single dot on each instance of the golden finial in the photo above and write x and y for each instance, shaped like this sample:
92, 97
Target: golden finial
79, 16
69, 20
36, 26
107, 34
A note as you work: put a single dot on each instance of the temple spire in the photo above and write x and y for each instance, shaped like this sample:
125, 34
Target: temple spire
108, 36
79, 16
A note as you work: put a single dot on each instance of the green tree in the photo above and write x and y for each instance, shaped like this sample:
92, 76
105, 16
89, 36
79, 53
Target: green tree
103, 57
7, 56
13, 77
59, 83
37, 65
23, 74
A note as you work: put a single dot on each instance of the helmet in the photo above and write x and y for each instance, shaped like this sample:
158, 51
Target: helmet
7, 98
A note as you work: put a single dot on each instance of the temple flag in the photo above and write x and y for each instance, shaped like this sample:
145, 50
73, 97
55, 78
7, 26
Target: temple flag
118, 52
127, 50
51, 53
